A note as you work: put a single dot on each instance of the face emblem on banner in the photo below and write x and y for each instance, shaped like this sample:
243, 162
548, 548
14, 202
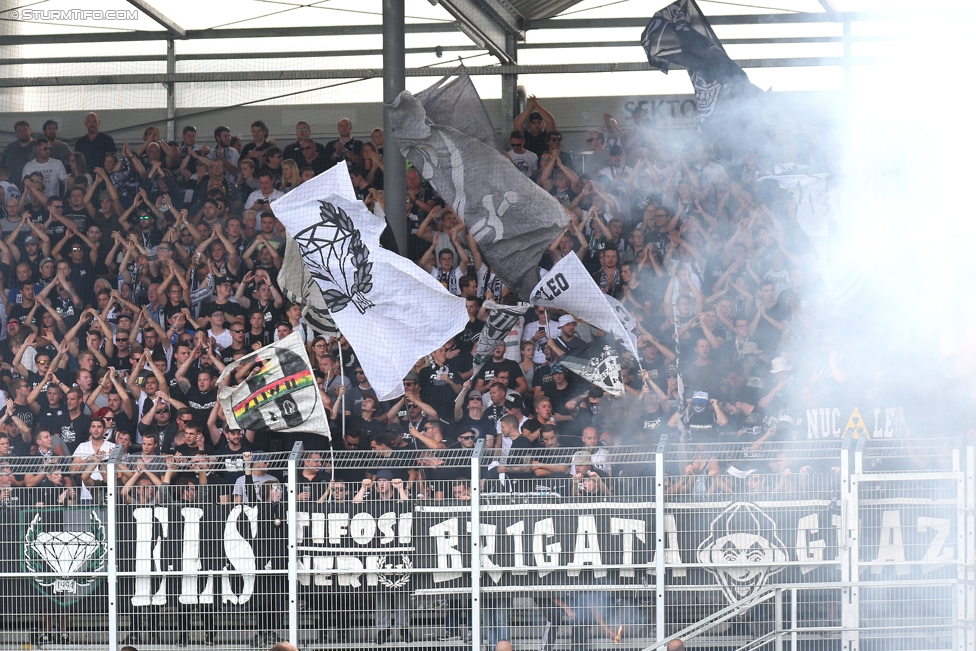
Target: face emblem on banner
65, 553
336, 255
742, 534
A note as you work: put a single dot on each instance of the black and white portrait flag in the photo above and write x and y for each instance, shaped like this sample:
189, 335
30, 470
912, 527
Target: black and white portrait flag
512, 219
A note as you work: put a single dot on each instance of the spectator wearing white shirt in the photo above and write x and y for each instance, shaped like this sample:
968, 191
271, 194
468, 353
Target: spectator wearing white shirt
50, 168
266, 190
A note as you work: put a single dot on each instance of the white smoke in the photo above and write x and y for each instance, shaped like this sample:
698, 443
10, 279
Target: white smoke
906, 204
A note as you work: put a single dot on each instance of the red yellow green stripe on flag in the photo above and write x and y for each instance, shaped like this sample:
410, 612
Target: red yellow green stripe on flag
276, 389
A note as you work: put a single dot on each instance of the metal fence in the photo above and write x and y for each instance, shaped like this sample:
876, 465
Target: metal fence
846, 545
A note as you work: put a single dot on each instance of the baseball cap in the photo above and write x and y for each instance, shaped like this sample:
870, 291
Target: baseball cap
582, 458
30, 239
222, 280
700, 397
384, 474
45, 261
474, 394
411, 376
565, 320
105, 195
558, 368
514, 402
747, 395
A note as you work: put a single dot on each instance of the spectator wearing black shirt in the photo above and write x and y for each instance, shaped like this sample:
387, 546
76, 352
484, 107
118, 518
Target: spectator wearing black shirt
498, 363
343, 148
540, 122
94, 144
200, 399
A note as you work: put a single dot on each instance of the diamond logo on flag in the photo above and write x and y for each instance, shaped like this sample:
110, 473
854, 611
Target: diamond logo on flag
65, 554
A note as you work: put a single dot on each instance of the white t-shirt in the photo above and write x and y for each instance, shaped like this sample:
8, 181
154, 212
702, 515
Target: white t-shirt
780, 279
526, 162
223, 340
550, 330
53, 171
257, 194
710, 173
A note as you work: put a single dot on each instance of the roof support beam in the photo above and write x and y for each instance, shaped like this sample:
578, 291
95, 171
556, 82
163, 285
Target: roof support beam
204, 34
159, 17
829, 8
368, 73
486, 23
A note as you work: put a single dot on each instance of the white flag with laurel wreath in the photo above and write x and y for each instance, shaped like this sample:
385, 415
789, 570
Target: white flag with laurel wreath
390, 310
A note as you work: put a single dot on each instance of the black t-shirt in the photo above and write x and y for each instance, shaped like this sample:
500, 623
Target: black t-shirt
201, 404
536, 144
438, 393
229, 309
75, 432
263, 338
233, 465
492, 368
555, 456
272, 315
520, 453
227, 354
53, 419
484, 424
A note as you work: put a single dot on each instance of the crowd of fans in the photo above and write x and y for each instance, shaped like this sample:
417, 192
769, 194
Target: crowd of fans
133, 274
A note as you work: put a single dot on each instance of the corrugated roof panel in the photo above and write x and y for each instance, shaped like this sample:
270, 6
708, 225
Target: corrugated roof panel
540, 9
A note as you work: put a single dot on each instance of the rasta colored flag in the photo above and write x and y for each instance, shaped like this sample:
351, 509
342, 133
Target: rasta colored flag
279, 393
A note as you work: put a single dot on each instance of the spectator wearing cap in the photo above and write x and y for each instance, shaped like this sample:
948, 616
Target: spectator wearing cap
558, 386
780, 397
588, 479
514, 406
568, 340
223, 300
702, 418
750, 419
469, 413
498, 363
535, 122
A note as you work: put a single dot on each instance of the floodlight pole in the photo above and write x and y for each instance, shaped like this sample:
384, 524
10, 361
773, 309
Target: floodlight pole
395, 166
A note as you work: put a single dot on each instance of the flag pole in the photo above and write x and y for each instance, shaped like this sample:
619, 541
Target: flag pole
342, 383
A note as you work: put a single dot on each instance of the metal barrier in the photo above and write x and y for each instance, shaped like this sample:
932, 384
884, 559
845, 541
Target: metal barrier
791, 545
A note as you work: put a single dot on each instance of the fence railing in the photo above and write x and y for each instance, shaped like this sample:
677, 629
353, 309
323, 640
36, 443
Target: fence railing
787, 545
